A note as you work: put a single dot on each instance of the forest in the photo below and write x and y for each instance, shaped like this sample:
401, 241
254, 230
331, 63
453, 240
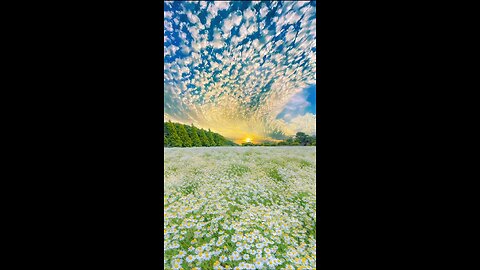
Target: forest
180, 135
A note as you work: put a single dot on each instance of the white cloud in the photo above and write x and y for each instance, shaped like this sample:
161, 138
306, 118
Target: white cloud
227, 26
217, 44
192, 17
222, 5
304, 123
268, 37
292, 18
213, 11
252, 29
182, 35
263, 11
243, 32
185, 49
195, 46
299, 4
262, 25
168, 26
194, 32
256, 44
249, 13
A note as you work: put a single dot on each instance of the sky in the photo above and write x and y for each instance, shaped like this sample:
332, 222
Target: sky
244, 69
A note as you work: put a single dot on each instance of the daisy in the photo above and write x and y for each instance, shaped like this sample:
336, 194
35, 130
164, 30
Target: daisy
181, 254
190, 258
258, 264
176, 266
270, 264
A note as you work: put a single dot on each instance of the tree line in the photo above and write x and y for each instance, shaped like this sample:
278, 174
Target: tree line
180, 135
300, 139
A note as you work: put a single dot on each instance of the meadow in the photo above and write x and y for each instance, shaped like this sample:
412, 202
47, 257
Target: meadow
240, 208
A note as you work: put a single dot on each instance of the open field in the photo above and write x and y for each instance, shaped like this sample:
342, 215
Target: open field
240, 208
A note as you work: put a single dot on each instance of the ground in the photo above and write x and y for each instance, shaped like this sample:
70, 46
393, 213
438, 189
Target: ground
240, 208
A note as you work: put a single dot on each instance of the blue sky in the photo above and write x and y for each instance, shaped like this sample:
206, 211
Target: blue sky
300, 104
243, 69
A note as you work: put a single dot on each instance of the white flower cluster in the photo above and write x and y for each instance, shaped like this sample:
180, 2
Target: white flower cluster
240, 208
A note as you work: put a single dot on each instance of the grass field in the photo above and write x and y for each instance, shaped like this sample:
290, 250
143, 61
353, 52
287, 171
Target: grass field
240, 208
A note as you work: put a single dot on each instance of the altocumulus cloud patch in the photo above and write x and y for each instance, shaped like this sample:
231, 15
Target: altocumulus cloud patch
234, 66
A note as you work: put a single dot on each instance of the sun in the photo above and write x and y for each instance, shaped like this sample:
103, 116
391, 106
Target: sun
248, 140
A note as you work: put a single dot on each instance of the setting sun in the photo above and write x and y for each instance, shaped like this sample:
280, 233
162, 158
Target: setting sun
248, 140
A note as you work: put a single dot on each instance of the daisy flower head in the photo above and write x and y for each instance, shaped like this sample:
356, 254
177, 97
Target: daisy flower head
181, 254
176, 266
190, 258
270, 263
259, 264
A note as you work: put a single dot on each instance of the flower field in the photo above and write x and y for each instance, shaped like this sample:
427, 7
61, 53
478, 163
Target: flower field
240, 208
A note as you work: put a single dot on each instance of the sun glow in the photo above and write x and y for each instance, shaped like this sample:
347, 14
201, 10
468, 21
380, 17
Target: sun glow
248, 140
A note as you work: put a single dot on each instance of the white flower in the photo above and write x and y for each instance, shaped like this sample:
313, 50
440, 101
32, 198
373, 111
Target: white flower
259, 264
190, 258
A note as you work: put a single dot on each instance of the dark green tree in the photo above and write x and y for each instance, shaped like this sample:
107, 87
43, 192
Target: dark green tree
173, 138
203, 137
301, 138
219, 139
165, 140
192, 131
211, 138
182, 133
